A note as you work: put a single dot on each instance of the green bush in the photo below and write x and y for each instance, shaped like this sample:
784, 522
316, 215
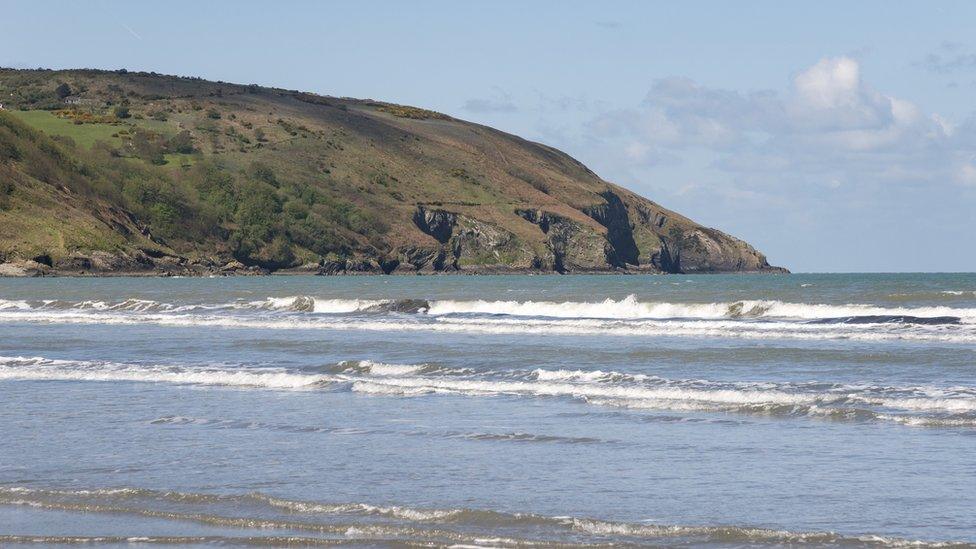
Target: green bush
149, 146
259, 171
181, 143
257, 218
216, 189
62, 91
8, 147
6, 190
317, 235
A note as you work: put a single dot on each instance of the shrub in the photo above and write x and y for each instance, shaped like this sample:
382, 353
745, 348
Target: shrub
62, 91
6, 190
403, 111
216, 189
8, 149
148, 146
316, 234
181, 143
260, 238
259, 171
121, 112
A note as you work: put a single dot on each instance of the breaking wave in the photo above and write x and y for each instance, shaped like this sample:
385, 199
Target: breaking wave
38, 368
310, 522
908, 405
628, 308
626, 317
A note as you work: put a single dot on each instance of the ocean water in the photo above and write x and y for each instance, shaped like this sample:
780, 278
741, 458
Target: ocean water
489, 411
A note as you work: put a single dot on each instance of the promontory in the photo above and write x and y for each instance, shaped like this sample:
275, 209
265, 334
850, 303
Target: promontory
117, 172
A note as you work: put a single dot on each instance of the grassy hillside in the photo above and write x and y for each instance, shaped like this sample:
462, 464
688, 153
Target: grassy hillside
117, 171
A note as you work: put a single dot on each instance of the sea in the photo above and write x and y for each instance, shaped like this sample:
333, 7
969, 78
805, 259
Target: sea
489, 411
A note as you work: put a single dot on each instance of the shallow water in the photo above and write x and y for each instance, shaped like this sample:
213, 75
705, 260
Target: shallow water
660, 410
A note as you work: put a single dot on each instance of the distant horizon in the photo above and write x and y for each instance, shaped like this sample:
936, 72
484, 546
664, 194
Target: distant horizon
848, 151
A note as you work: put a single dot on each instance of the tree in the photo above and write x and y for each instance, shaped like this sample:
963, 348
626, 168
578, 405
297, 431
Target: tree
63, 91
259, 237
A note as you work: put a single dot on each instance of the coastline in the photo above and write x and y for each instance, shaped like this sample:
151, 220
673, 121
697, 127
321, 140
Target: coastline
31, 269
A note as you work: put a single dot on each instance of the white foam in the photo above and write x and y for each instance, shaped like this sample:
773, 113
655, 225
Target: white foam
928, 421
626, 308
954, 404
723, 328
665, 396
603, 388
325, 306
38, 368
394, 511
585, 375
383, 369
568, 375
630, 308
682, 399
275, 302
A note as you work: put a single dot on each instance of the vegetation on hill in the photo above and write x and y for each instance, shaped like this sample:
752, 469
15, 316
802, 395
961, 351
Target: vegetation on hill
118, 171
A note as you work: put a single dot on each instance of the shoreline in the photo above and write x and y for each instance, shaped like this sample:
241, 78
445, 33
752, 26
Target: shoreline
9, 270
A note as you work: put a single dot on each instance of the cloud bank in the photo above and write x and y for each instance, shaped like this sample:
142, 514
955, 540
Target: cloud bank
828, 127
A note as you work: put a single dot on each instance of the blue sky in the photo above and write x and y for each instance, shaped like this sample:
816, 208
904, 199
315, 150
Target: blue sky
834, 136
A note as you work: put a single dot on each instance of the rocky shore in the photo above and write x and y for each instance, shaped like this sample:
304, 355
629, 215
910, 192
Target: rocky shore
102, 264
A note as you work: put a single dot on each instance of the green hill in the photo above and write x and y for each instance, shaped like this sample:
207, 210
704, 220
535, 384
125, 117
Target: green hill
119, 172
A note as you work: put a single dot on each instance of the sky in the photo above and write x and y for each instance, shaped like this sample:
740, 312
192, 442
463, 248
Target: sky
833, 136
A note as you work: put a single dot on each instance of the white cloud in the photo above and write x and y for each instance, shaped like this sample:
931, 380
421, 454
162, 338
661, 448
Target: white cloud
830, 84
828, 126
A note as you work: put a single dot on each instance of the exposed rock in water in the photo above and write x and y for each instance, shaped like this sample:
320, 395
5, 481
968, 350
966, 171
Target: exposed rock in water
303, 303
400, 306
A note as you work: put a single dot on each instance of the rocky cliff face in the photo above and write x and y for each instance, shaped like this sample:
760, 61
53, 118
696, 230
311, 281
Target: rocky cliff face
467, 244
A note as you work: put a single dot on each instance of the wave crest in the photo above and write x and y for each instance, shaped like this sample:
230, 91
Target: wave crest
397, 523
918, 406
